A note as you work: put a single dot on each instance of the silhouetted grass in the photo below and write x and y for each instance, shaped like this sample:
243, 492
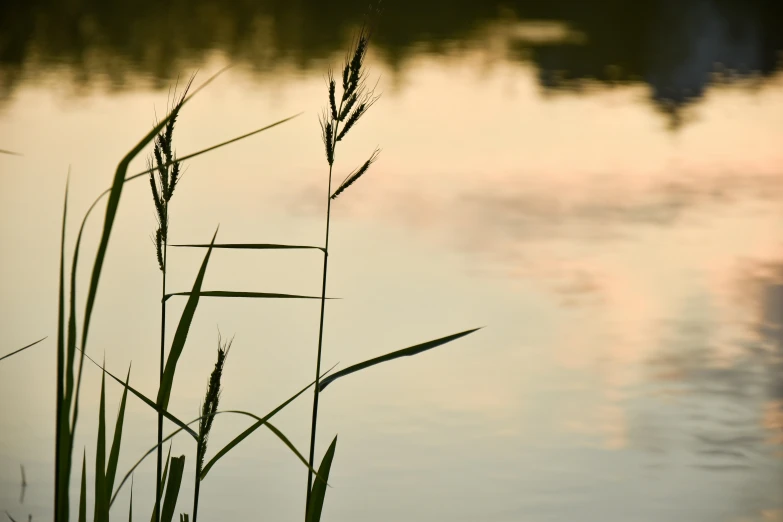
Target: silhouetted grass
167, 167
209, 409
342, 114
336, 121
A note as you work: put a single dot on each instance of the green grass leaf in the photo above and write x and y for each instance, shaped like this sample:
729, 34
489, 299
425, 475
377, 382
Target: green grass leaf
114, 453
318, 494
405, 352
221, 144
146, 400
172, 489
162, 479
62, 458
130, 504
251, 246
83, 491
101, 513
21, 349
244, 295
290, 445
129, 474
181, 335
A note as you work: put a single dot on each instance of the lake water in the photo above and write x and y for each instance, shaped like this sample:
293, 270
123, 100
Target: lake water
600, 188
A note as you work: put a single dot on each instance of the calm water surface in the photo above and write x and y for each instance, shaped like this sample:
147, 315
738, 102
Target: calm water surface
600, 188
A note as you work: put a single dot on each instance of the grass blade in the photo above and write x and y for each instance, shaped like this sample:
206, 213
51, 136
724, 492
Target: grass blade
146, 400
221, 144
251, 246
83, 491
10, 152
172, 488
181, 335
130, 504
101, 508
405, 352
316, 505
242, 436
289, 444
21, 349
114, 453
245, 295
163, 479
62, 432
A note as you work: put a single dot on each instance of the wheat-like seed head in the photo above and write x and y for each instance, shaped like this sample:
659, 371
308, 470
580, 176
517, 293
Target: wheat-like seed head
347, 106
164, 175
175, 168
159, 247
332, 101
356, 99
367, 100
356, 174
212, 398
327, 134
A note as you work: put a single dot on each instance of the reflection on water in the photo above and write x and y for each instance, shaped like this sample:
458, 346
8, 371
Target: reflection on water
630, 277
677, 47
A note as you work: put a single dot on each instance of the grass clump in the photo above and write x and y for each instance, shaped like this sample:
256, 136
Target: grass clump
347, 103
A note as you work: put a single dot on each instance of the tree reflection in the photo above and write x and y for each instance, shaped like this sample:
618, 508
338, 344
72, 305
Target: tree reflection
678, 47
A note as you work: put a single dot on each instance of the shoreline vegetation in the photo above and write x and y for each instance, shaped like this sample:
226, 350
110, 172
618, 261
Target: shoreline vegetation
342, 114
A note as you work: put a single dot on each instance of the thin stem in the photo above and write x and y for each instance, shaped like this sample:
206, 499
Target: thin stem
197, 486
316, 392
160, 382
61, 350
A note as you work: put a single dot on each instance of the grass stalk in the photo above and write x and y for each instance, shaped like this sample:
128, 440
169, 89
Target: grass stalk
316, 391
330, 127
60, 401
159, 467
163, 162
353, 89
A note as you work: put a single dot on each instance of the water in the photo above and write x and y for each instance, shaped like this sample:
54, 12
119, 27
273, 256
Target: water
601, 189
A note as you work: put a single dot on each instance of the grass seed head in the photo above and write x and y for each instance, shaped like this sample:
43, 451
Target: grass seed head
355, 175
328, 137
212, 398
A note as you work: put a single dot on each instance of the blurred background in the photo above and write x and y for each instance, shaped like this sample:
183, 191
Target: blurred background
596, 182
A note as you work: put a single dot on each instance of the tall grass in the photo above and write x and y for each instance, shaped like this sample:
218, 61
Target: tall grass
168, 168
164, 170
337, 119
355, 100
